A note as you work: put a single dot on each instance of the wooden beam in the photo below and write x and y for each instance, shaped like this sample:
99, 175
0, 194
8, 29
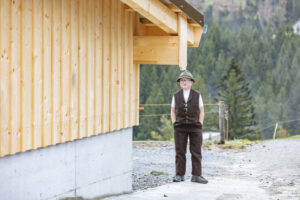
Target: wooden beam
155, 50
183, 35
146, 22
197, 36
190, 35
156, 12
173, 8
128, 9
193, 23
154, 31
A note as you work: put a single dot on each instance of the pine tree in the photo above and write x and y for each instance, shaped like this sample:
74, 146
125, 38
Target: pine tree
235, 92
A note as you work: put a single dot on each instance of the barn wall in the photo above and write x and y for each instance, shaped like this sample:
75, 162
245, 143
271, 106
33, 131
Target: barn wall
66, 71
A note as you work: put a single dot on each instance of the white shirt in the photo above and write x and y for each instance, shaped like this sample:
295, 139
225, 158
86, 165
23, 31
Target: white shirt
186, 94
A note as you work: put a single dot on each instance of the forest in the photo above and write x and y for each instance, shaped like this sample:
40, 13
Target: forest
264, 54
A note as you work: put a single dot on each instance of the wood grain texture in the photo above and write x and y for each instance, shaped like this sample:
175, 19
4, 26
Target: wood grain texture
66, 71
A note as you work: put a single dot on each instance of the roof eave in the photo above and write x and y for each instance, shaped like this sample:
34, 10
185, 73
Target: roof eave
189, 10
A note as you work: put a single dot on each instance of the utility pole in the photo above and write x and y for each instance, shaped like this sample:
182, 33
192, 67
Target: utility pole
221, 122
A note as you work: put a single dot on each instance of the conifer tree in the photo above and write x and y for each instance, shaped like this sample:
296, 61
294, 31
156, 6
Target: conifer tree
235, 93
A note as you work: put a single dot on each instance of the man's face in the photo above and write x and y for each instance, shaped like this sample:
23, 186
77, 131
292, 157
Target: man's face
186, 83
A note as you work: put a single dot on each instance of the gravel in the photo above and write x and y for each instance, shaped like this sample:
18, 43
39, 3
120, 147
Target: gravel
160, 157
274, 164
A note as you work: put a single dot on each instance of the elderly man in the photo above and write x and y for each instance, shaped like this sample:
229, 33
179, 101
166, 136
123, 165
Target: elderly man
187, 114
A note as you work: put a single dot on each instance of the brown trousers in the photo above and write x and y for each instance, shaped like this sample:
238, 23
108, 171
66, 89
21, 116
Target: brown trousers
181, 134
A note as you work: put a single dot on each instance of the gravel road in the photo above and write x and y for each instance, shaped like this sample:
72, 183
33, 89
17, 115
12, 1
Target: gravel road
275, 165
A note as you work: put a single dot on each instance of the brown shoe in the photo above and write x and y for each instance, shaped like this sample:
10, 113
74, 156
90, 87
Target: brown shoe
178, 178
199, 179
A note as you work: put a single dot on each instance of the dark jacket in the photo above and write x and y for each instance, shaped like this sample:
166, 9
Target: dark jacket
187, 113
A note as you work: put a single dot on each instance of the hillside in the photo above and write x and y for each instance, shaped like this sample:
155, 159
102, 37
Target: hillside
262, 12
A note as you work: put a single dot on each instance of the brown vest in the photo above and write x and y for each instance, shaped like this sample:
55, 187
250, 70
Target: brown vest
187, 113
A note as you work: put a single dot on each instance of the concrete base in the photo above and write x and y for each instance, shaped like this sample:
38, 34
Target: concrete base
91, 167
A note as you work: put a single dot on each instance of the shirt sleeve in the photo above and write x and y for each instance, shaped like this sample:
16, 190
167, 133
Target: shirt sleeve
200, 101
173, 102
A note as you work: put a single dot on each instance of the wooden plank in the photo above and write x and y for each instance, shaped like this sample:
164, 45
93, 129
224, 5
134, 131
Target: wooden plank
182, 33
5, 77
131, 71
16, 76
94, 66
27, 75
113, 68
137, 93
98, 65
86, 19
56, 72
146, 22
197, 36
83, 67
154, 31
75, 69
10, 78
119, 68
37, 73
173, 8
135, 90
66, 72
156, 12
90, 66
122, 94
143, 29
47, 66
1, 36
106, 66
190, 35
70, 138
126, 72
193, 23
155, 50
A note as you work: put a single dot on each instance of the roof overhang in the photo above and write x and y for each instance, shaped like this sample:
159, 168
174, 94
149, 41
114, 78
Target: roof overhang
189, 10
160, 19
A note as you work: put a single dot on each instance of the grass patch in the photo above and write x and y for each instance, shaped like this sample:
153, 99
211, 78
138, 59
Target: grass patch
157, 173
294, 137
236, 144
232, 146
207, 146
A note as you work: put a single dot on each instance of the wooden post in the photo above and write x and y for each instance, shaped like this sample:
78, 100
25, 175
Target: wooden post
227, 127
221, 122
274, 135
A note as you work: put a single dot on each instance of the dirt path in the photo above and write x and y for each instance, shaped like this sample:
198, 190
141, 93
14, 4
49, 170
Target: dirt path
273, 166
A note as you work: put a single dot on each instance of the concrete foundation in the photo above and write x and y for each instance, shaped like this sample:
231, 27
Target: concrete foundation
91, 167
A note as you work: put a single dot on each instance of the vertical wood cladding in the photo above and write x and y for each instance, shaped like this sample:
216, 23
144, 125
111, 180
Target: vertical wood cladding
66, 71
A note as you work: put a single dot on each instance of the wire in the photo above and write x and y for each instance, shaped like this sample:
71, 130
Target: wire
155, 104
170, 104
153, 115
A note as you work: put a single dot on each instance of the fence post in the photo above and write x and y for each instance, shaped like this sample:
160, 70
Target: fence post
221, 122
274, 135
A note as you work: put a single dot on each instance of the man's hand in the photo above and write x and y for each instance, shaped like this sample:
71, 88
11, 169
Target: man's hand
201, 116
173, 116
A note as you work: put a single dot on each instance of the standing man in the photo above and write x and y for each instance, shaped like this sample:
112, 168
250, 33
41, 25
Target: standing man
187, 114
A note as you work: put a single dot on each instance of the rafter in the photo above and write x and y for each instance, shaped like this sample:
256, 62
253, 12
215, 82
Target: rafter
156, 12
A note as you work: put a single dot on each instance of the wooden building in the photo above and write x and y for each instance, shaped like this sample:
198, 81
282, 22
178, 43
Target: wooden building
69, 69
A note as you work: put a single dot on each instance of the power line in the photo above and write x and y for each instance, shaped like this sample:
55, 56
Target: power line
170, 104
154, 115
